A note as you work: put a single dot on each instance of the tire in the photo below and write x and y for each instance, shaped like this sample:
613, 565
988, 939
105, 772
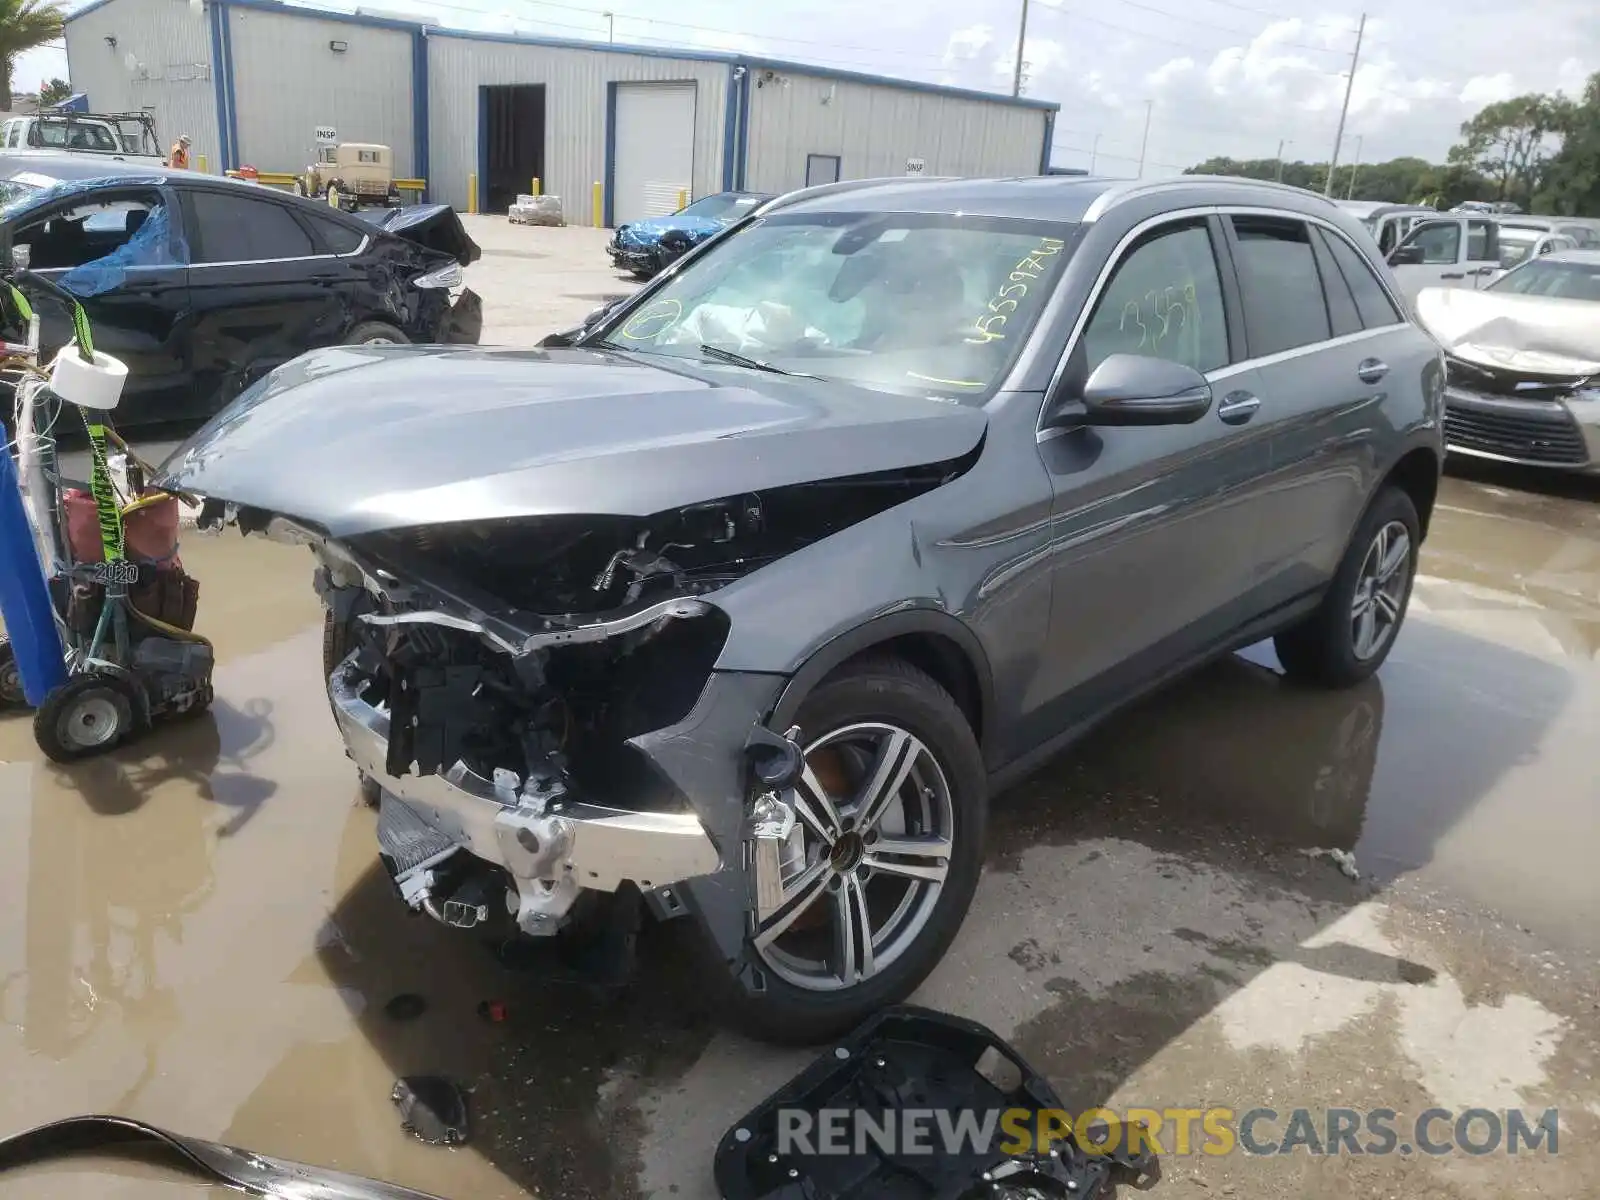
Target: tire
335, 646
884, 692
375, 333
88, 715
11, 693
1324, 650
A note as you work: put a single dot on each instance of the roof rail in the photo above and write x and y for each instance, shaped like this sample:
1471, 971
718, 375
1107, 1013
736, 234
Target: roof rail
1128, 189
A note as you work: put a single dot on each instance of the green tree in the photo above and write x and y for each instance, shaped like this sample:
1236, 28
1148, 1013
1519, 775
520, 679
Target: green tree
1571, 179
54, 92
1509, 143
24, 25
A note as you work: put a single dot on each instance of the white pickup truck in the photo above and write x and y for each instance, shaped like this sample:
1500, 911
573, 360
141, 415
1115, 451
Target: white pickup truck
1466, 251
127, 137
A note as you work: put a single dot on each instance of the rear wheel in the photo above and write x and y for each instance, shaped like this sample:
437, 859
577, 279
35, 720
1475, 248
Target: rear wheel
376, 333
884, 860
11, 693
1347, 639
88, 715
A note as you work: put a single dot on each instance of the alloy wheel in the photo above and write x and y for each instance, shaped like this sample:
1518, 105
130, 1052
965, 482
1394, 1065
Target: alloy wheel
1380, 594
867, 859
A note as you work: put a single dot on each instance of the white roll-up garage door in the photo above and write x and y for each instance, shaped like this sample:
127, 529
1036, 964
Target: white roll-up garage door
654, 148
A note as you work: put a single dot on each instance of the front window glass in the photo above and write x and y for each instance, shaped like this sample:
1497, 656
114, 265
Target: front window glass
1560, 280
1441, 243
915, 303
1516, 245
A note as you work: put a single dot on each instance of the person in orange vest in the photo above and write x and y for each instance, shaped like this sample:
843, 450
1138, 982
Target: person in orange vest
179, 154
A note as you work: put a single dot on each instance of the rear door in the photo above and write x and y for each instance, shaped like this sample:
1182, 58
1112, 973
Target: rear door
1327, 339
265, 285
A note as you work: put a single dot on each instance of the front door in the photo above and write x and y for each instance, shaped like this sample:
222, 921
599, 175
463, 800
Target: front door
1153, 526
121, 252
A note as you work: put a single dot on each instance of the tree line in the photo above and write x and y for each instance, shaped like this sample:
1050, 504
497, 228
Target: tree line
1540, 152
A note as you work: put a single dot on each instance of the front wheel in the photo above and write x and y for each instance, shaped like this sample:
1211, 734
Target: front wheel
89, 714
1351, 633
376, 333
11, 693
881, 868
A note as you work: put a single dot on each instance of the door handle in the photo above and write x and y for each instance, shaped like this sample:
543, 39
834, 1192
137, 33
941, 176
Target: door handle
1371, 370
1238, 407
1453, 275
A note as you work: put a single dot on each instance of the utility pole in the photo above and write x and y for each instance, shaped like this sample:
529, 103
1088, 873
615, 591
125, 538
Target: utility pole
1144, 142
1344, 110
1355, 165
1022, 37
1094, 153
611, 26
1282, 142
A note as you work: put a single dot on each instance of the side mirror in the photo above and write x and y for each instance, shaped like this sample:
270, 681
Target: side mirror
1133, 389
1406, 256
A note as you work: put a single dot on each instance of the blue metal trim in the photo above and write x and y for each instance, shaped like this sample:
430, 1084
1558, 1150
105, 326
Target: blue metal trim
483, 144
608, 201
909, 85
233, 157
730, 128
419, 107
217, 10
1049, 137
744, 128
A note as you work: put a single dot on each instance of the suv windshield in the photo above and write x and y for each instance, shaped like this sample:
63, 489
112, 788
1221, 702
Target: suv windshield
925, 304
721, 207
1559, 280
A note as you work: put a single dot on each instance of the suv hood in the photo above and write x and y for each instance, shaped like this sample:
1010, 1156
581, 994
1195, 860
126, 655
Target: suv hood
354, 440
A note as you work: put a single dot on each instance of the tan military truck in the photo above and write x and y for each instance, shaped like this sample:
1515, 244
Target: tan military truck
362, 173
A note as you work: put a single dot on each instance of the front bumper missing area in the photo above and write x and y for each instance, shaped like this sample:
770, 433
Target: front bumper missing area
549, 853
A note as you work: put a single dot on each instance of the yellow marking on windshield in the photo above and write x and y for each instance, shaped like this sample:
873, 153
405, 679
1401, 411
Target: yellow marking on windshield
657, 316
990, 324
975, 383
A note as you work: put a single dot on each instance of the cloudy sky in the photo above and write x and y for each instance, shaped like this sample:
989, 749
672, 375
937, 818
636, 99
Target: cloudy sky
1226, 77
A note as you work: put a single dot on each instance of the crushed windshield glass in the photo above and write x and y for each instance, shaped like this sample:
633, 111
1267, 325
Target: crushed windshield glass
916, 303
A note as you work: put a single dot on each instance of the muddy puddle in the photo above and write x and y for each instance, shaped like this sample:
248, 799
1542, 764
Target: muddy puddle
198, 934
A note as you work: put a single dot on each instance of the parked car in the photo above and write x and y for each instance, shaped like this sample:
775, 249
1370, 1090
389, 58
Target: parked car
203, 284
739, 602
1387, 223
1523, 362
361, 173
645, 247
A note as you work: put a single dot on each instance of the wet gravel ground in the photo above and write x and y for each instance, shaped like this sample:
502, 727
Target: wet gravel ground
199, 934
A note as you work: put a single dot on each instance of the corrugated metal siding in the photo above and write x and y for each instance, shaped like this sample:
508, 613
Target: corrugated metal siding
874, 129
575, 113
173, 81
286, 82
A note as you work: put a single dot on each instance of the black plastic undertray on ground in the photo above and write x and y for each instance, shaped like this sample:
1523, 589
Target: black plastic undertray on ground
912, 1064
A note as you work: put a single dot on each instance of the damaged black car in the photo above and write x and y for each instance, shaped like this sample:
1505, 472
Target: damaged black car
203, 284
734, 605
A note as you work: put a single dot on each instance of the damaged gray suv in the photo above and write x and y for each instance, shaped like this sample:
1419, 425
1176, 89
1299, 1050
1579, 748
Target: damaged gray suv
736, 604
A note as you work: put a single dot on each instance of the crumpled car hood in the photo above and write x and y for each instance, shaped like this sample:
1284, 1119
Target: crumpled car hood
1537, 334
434, 226
356, 439
650, 229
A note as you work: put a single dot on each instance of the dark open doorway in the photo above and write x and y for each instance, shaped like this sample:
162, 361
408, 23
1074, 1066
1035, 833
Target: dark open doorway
513, 143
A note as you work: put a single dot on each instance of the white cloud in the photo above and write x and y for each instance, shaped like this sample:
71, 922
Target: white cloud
1481, 90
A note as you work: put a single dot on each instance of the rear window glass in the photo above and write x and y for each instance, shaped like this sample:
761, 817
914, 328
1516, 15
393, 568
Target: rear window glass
1283, 302
244, 229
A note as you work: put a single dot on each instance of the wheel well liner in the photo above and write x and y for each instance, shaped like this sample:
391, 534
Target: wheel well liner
930, 640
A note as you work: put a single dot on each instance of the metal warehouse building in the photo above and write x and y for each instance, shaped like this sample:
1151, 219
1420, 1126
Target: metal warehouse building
251, 80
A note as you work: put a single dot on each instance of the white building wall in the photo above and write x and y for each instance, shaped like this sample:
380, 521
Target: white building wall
876, 128
575, 112
172, 75
287, 81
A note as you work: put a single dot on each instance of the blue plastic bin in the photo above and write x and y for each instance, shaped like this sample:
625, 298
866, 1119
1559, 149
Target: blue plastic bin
25, 595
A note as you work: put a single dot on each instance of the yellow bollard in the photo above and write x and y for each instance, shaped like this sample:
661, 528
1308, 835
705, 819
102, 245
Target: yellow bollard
472, 194
201, 160
598, 213
683, 199
536, 190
